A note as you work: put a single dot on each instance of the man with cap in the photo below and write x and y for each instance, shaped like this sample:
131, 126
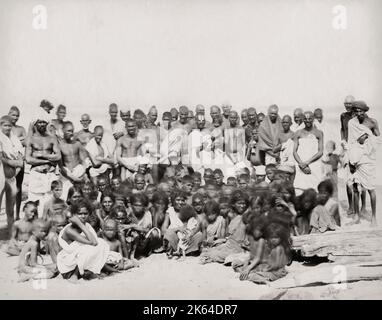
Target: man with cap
43, 113
43, 154
11, 156
362, 144
298, 117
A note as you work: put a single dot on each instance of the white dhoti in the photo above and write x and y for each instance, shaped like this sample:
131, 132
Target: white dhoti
78, 172
83, 256
39, 186
308, 147
95, 172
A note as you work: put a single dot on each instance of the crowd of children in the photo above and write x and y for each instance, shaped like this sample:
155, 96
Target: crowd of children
245, 221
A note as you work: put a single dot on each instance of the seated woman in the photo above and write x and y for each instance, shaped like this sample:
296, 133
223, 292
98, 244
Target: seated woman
83, 254
173, 223
236, 232
214, 225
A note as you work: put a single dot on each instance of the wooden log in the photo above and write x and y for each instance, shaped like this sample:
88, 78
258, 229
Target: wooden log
329, 275
367, 243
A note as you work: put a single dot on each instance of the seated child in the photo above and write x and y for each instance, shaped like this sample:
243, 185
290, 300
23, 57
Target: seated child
305, 203
331, 162
115, 184
231, 181
115, 260
225, 209
149, 192
214, 225
212, 191
22, 229
187, 216
139, 183
198, 205
218, 176
270, 256
187, 186
197, 179
57, 223
56, 189
270, 172
208, 176
143, 238
243, 181
236, 232
255, 231
28, 267
322, 219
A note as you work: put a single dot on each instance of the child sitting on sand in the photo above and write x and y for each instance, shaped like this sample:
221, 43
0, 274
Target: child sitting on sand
115, 260
214, 225
322, 219
236, 232
22, 229
28, 267
270, 256
55, 201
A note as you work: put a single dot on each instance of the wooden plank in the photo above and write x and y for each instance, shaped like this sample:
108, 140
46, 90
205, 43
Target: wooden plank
328, 275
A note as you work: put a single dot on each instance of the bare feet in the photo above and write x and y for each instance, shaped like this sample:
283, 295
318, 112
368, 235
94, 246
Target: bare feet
373, 223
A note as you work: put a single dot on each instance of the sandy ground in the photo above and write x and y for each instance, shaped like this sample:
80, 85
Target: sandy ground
160, 278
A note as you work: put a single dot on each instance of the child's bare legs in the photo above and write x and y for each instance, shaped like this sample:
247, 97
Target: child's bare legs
53, 245
349, 192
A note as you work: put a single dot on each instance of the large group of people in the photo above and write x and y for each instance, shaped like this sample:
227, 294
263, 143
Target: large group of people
229, 191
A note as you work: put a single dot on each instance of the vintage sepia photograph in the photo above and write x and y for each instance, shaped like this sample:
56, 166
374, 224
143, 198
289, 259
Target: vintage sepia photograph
190, 150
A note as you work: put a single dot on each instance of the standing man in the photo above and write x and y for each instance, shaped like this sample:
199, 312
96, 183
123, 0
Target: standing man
127, 150
362, 133
113, 129
298, 117
43, 154
11, 155
252, 124
84, 135
287, 144
152, 117
307, 151
101, 158
73, 155
269, 136
183, 121
234, 140
226, 113
125, 114
58, 124
244, 117
20, 133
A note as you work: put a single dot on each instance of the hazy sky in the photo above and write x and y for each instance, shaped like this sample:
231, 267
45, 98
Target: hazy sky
169, 53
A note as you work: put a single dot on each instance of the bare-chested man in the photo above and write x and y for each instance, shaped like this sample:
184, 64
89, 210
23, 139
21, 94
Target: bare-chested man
43, 154
43, 113
183, 121
20, 133
114, 128
101, 158
73, 155
84, 135
307, 151
362, 134
11, 155
127, 150
58, 123
234, 139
